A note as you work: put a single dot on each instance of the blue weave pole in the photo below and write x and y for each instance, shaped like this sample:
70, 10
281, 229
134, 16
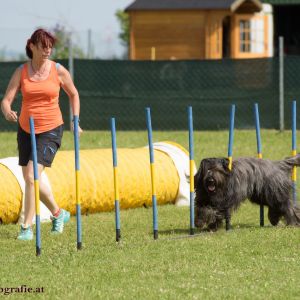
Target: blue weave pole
294, 150
77, 178
191, 155
152, 169
116, 181
231, 135
230, 150
36, 188
259, 155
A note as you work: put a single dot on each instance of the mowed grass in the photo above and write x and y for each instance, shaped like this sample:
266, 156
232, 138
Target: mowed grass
247, 262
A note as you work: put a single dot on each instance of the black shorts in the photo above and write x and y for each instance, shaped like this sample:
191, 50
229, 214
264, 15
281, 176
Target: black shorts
47, 144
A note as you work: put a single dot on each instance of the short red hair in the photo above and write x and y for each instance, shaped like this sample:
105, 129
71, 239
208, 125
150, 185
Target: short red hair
40, 36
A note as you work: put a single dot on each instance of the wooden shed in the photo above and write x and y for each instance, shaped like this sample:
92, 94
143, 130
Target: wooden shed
199, 29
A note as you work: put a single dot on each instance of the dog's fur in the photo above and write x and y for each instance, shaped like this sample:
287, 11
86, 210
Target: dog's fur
220, 191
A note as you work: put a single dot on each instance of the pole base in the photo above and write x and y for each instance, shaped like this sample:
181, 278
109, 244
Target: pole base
38, 251
79, 245
228, 226
262, 221
118, 235
192, 231
155, 234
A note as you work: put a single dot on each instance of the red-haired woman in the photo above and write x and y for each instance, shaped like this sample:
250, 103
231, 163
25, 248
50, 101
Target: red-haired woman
39, 81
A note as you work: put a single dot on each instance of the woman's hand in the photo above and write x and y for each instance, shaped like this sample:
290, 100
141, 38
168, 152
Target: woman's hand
11, 116
10, 94
79, 129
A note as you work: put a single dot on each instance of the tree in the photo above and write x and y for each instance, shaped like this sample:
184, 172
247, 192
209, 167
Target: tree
2, 53
61, 49
123, 19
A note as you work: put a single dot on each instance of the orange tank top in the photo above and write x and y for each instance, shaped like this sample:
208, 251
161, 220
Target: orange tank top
40, 101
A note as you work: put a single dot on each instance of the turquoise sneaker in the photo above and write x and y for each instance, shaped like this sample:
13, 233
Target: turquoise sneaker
58, 223
25, 234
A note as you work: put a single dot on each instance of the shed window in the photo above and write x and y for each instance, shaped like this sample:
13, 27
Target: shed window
252, 36
245, 36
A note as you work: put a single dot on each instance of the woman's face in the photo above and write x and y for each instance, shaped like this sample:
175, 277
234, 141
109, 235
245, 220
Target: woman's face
40, 52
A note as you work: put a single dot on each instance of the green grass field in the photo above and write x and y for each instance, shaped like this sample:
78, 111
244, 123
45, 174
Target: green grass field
247, 262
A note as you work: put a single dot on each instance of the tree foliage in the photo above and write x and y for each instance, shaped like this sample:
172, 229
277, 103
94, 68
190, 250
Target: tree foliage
123, 19
61, 49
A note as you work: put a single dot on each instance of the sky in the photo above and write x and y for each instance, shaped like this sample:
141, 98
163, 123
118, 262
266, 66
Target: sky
19, 18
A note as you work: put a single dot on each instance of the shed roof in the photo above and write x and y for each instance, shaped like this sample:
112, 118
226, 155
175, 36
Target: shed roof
232, 5
282, 2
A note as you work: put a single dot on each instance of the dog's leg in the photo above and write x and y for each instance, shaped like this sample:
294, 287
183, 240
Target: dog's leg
290, 212
292, 216
216, 224
274, 216
213, 227
227, 219
198, 222
207, 216
296, 211
203, 215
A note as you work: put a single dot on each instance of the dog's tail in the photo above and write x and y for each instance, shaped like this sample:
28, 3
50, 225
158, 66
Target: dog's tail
293, 161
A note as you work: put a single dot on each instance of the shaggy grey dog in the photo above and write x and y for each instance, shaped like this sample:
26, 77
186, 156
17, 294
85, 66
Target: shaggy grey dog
220, 191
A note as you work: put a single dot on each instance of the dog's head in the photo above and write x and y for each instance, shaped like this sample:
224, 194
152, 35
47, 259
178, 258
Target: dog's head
212, 175
210, 184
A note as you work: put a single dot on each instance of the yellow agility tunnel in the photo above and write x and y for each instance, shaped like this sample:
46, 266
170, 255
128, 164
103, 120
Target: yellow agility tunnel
97, 182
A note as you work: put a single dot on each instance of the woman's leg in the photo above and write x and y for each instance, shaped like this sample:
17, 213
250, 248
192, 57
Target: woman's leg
29, 201
46, 195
